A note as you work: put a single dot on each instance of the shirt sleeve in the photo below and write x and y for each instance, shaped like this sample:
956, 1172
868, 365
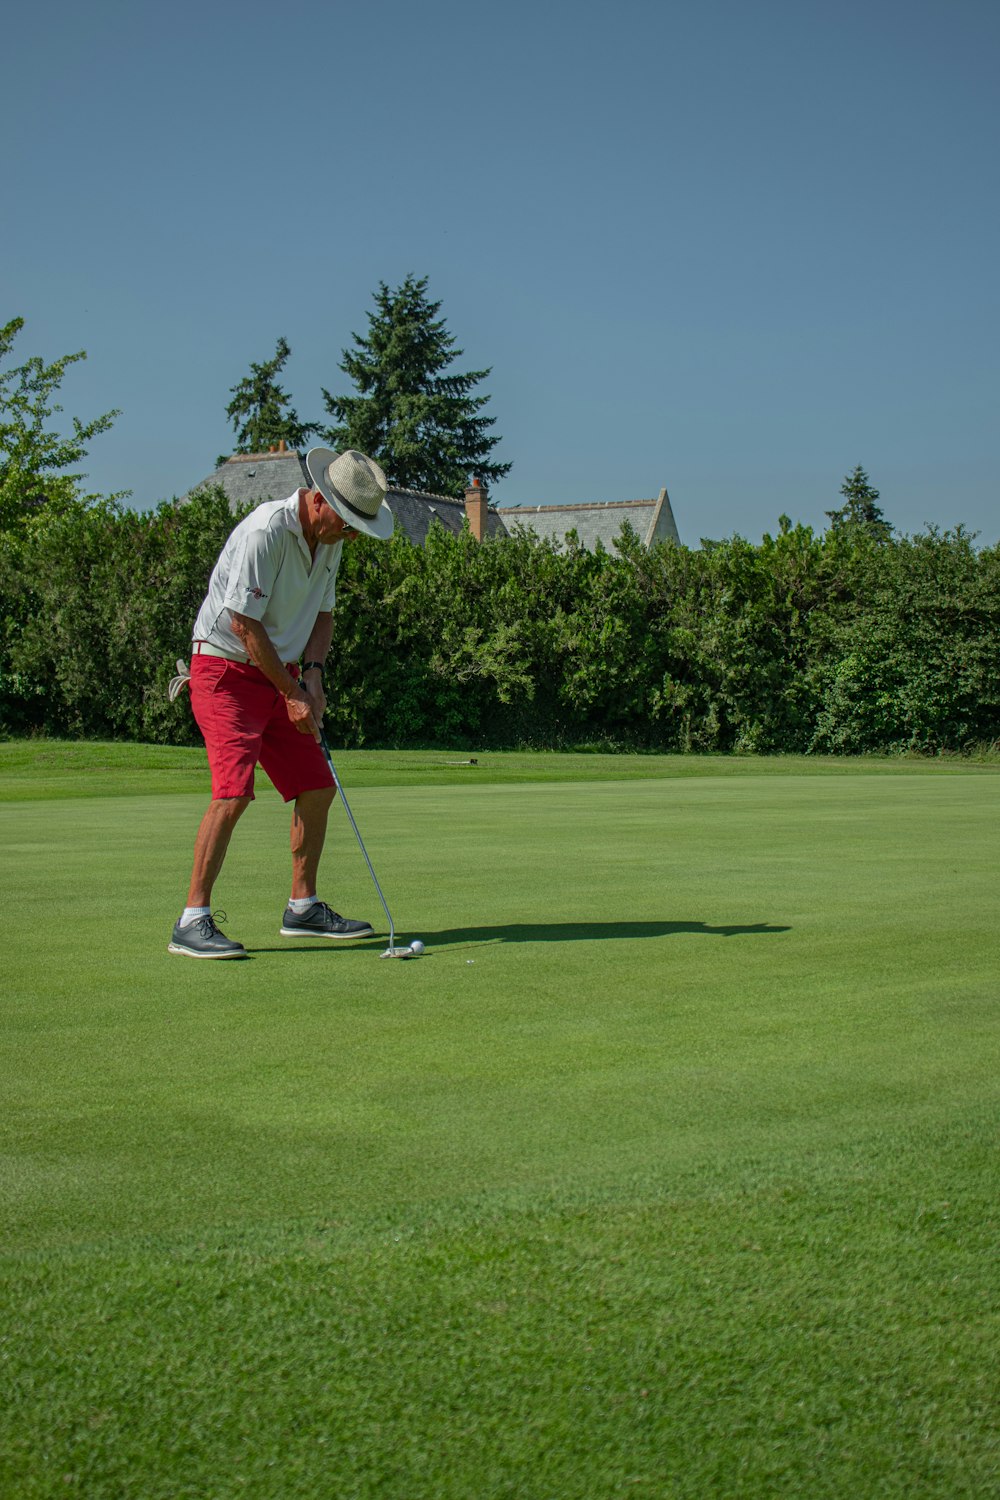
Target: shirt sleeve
252, 574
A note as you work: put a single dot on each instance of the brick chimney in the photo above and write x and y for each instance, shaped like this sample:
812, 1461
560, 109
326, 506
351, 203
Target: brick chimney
475, 509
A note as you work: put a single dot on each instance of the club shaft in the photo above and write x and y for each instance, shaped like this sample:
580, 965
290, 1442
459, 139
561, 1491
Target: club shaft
357, 835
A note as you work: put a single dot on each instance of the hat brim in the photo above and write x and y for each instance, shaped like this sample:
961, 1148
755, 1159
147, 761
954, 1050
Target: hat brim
380, 525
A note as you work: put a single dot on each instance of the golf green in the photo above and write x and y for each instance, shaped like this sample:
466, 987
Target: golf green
668, 1169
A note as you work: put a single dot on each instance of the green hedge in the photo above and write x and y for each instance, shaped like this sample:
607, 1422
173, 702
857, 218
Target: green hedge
804, 642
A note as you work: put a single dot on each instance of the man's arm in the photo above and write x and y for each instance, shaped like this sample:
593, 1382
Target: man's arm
257, 644
317, 648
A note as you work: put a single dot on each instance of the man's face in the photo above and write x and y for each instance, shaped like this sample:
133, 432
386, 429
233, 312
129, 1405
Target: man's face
327, 526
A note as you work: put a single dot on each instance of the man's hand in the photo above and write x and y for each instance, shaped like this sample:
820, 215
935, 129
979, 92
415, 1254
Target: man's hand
305, 700
302, 711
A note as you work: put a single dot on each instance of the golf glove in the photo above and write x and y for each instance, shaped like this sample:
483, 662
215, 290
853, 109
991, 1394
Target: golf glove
178, 682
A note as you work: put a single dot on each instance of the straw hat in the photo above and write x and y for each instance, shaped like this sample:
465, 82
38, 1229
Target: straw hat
354, 485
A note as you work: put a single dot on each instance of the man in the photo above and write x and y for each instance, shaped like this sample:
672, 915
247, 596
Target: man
269, 603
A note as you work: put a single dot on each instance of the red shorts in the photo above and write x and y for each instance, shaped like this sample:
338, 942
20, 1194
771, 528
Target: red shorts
244, 720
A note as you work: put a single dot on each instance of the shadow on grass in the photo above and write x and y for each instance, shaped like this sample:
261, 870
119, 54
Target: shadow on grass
586, 932
555, 932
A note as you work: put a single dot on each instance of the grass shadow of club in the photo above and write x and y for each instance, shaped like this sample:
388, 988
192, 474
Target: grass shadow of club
543, 932
586, 932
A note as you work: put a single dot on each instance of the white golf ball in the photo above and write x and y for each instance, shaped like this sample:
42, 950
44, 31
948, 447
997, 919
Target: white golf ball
416, 946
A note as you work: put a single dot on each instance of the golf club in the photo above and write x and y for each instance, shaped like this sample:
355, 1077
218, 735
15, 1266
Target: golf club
392, 951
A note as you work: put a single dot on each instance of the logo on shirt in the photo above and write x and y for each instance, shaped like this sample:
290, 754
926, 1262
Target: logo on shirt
257, 593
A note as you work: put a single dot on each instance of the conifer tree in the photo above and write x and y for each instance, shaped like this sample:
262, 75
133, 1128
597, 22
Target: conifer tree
420, 422
261, 412
860, 508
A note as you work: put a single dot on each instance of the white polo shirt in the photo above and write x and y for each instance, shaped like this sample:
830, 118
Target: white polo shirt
265, 570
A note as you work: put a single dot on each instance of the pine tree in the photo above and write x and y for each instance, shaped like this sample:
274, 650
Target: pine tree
860, 508
260, 410
421, 424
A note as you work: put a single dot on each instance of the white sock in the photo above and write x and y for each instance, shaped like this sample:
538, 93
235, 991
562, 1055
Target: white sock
299, 904
192, 913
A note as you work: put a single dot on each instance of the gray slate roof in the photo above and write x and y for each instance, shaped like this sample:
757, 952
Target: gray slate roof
417, 512
653, 520
251, 479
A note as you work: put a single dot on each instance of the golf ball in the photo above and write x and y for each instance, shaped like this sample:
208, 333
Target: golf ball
416, 946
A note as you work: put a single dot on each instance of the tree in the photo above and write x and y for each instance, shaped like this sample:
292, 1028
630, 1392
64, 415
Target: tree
258, 409
859, 508
421, 423
34, 460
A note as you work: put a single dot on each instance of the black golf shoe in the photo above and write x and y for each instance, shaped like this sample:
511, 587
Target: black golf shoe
320, 920
202, 939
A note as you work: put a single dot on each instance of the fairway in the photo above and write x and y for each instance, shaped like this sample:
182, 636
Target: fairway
668, 1170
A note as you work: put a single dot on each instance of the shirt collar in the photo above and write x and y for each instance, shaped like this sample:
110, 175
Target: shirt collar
294, 523
292, 518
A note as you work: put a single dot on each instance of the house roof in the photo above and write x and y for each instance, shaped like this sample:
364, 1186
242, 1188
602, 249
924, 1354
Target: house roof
653, 520
250, 479
416, 512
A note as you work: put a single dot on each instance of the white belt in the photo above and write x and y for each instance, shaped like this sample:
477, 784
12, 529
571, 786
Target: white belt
202, 648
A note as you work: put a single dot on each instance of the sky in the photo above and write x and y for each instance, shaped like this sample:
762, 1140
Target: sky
730, 247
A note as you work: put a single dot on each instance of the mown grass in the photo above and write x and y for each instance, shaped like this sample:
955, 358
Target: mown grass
669, 1170
45, 769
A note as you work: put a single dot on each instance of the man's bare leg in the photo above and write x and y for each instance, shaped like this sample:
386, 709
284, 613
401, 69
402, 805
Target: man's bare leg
211, 844
309, 817
198, 936
308, 833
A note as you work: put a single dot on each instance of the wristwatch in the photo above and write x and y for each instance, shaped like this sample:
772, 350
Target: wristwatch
308, 665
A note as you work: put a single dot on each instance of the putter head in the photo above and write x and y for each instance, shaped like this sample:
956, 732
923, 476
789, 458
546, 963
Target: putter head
396, 953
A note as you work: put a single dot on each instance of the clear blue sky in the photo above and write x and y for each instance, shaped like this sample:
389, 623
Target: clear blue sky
731, 246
